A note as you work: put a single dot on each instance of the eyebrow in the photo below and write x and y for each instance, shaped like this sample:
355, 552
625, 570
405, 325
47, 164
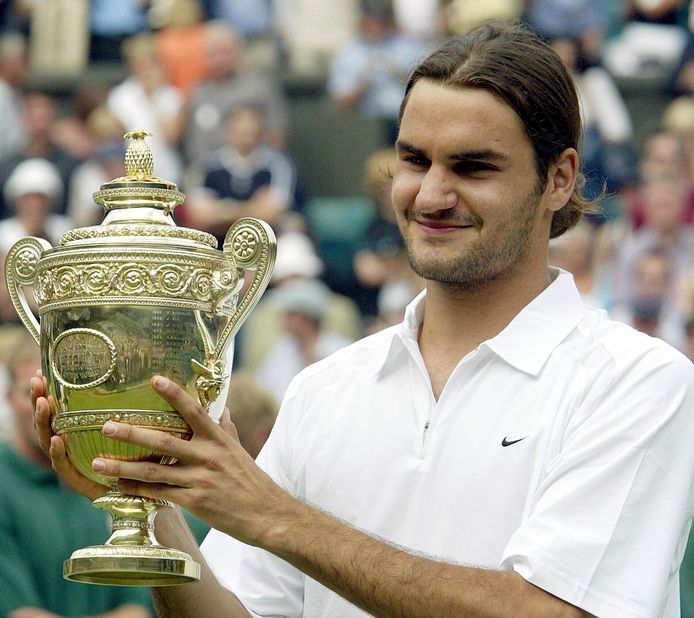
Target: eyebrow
484, 154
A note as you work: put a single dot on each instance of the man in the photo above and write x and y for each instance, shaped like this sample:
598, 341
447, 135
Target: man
243, 178
229, 84
503, 452
42, 521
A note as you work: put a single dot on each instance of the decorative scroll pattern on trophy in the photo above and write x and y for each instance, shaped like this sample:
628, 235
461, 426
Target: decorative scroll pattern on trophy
132, 277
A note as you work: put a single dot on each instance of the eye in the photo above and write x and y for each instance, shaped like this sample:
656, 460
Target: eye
473, 167
414, 160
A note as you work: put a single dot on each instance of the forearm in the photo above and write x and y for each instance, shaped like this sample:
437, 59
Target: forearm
205, 598
385, 580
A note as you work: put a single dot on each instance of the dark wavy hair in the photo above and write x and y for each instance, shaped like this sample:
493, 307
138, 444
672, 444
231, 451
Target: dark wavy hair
511, 62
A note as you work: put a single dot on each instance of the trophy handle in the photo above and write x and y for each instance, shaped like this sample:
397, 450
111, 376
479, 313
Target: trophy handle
21, 266
249, 243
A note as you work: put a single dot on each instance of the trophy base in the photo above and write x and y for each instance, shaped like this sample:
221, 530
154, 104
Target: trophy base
131, 566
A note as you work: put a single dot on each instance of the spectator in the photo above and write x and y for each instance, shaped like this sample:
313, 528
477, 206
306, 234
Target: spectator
583, 21
243, 178
461, 16
608, 158
181, 43
42, 521
146, 100
304, 339
652, 40
72, 133
665, 200
252, 410
381, 259
39, 118
312, 31
112, 23
229, 85
650, 307
296, 261
421, 19
369, 71
256, 23
573, 251
106, 163
665, 154
33, 191
13, 65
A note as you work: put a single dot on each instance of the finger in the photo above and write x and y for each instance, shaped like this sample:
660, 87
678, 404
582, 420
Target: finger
227, 425
62, 465
37, 390
42, 423
160, 442
145, 471
159, 491
190, 409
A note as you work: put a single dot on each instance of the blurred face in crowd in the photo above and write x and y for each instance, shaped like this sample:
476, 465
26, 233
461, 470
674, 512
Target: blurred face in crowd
223, 53
664, 154
25, 440
39, 114
32, 210
245, 130
665, 201
465, 187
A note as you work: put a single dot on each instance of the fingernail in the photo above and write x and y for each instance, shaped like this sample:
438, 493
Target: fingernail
109, 427
98, 465
161, 382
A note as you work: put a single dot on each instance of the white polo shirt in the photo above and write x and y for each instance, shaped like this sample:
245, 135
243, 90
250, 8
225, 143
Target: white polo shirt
563, 448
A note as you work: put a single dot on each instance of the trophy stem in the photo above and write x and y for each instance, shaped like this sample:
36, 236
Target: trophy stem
132, 556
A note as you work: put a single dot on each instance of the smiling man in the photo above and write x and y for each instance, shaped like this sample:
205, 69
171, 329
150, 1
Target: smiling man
505, 451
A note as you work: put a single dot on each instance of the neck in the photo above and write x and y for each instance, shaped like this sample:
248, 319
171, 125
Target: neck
457, 320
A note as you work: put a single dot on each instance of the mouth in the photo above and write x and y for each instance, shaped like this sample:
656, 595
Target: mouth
440, 228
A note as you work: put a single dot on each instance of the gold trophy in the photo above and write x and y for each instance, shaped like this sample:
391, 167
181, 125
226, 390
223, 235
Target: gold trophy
118, 303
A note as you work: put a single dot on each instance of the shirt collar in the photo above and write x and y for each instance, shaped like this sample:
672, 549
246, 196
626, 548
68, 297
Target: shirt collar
528, 340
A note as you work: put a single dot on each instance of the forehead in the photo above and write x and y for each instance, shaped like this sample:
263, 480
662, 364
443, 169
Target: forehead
436, 115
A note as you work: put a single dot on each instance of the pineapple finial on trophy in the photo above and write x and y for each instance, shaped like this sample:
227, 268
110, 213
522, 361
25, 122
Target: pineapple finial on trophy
139, 162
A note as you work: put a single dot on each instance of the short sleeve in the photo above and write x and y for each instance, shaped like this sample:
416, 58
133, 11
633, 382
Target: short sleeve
607, 527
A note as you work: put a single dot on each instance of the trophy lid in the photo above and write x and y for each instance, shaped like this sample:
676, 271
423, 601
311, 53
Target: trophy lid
139, 182
139, 203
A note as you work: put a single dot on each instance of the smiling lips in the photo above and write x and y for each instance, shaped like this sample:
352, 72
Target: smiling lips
439, 228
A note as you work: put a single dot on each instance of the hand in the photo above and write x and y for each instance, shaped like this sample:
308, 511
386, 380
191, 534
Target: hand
214, 478
54, 446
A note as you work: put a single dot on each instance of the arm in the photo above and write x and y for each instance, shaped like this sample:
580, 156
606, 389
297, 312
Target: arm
217, 481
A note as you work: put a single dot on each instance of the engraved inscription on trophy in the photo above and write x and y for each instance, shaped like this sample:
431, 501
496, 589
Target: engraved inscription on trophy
82, 358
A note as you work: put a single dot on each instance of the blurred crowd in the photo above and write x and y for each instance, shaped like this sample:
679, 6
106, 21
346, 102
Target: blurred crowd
208, 78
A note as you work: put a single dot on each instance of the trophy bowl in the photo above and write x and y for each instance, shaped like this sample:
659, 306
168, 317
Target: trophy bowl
118, 303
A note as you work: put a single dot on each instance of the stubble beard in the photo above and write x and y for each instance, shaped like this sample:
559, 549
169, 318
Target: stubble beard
481, 262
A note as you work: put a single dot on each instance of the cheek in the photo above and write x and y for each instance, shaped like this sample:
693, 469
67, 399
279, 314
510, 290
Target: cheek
404, 190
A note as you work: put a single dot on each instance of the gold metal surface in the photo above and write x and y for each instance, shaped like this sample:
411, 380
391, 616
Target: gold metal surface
118, 303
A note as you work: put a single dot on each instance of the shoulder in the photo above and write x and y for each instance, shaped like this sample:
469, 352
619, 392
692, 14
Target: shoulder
613, 363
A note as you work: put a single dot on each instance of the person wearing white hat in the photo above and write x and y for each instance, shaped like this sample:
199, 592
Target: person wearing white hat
32, 190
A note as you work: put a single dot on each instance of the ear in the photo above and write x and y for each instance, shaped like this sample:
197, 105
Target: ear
561, 180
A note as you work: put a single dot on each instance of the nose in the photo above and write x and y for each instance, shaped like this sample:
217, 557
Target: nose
436, 192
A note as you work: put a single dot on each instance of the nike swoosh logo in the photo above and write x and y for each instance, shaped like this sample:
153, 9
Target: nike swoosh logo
506, 442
